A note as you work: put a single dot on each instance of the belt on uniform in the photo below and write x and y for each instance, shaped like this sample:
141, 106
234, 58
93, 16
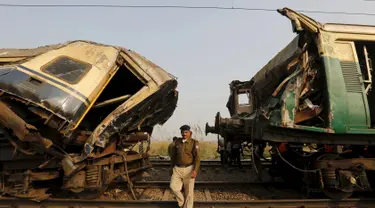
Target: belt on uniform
183, 166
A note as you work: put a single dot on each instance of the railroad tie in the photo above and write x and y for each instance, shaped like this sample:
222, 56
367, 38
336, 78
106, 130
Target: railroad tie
144, 194
207, 194
166, 194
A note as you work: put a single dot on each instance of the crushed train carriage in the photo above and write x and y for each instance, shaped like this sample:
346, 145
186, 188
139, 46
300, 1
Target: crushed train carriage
77, 116
314, 102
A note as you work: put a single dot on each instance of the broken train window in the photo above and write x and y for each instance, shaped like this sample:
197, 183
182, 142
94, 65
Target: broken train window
67, 69
243, 99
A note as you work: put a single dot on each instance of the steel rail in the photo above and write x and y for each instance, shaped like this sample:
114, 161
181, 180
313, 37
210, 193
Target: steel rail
74, 203
206, 184
204, 163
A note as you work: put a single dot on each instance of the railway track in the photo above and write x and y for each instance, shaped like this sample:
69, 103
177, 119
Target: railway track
203, 184
69, 203
220, 191
205, 187
213, 194
204, 163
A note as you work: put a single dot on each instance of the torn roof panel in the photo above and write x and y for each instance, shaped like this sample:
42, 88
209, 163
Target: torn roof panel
158, 74
26, 52
300, 21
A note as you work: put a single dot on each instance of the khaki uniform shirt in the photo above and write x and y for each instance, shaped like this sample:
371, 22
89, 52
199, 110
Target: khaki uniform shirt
186, 153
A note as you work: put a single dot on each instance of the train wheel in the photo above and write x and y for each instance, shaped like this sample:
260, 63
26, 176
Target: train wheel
330, 175
337, 194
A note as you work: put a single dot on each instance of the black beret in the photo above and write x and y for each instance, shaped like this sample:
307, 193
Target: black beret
185, 127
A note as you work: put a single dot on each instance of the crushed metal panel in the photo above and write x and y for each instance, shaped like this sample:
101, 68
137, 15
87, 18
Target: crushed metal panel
156, 73
300, 21
159, 90
37, 94
121, 119
268, 78
25, 85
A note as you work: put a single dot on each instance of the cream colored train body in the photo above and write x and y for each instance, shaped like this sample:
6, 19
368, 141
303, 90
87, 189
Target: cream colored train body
73, 113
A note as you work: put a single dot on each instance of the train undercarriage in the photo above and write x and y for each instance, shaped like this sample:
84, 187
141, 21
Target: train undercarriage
336, 171
333, 169
27, 174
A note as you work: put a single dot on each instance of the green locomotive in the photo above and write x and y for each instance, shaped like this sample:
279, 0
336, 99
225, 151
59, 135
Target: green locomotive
313, 103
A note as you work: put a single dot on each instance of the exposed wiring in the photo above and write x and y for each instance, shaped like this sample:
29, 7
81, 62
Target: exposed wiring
306, 171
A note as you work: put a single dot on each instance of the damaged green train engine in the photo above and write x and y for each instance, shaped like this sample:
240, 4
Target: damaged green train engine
76, 116
314, 103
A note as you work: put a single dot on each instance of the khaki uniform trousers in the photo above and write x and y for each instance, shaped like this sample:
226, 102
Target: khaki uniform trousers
182, 176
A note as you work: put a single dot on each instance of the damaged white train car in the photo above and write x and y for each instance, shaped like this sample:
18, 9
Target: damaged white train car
76, 116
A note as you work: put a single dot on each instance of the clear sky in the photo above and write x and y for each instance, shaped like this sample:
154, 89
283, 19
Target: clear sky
205, 49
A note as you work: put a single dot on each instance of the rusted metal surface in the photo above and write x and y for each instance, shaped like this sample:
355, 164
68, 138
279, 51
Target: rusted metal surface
41, 176
22, 130
35, 176
139, 136
76, 183
365, 163
110, 149
307, 114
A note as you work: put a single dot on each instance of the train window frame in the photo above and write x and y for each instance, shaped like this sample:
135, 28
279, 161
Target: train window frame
88, 67
243, 96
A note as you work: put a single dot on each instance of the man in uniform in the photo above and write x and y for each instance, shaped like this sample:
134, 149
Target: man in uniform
185, 163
